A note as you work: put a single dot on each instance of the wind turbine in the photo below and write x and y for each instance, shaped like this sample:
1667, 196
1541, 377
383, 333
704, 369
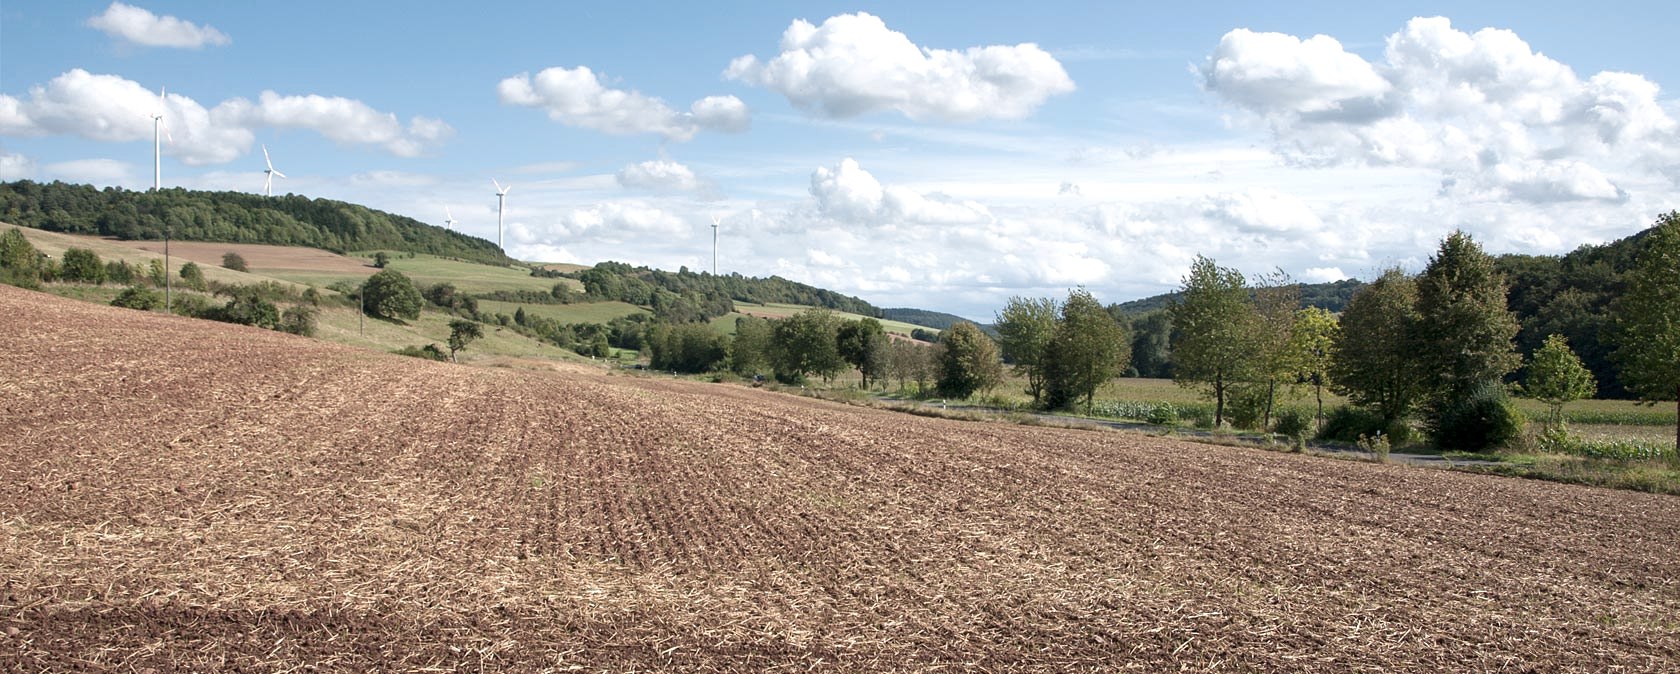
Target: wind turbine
448, 218
714, 244
269, 173
501, 201
157, 184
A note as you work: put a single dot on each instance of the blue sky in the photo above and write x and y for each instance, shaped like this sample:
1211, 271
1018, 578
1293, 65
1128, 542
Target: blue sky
938, 155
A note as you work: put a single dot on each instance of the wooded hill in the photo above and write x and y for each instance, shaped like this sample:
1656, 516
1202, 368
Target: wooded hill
638, 285
234, 217
933, 319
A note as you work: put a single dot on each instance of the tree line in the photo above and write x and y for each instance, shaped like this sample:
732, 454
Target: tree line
1439, 348
235, 217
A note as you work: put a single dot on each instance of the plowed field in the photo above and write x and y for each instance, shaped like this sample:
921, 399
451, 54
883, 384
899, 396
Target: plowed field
177, 495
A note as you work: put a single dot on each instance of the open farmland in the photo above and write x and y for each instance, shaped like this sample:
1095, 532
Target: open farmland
183, 495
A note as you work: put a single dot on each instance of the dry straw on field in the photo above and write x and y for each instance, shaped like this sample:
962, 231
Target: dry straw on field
180, 495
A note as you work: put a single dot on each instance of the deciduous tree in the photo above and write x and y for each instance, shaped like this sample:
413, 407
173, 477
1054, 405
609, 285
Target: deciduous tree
1212, 317
390, 294
1313, 343
1373, 364
862, 344
461, 333
968, 363
1557, 377
1025, 327
1087, 349
1464, 333
1647, 319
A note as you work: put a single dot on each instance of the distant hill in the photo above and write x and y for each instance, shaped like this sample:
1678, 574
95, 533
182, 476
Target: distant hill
232, 217
932, 319
1331, 296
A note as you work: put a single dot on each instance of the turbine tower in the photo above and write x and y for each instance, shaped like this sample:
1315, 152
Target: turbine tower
501, 203
714, 245
157, 146
448, 219
157, 184
268, 181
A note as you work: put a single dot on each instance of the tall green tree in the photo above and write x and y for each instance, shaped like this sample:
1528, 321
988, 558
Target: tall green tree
862, 343
1212, 317
1025, 327
1313, 343
749, 352
1464, 333
1556, 376
1087, 349
1373, 364
1647, 319
390, 294
968, 363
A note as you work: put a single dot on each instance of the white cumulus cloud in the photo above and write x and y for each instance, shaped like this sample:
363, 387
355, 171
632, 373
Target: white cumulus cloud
659, 175
109, 108
1494, 116
139, 26
577, 97
848, 193
15, 167
343, 120
853, 64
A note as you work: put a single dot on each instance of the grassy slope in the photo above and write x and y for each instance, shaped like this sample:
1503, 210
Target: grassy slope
591, 312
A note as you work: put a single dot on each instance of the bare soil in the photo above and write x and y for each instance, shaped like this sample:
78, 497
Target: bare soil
182, 495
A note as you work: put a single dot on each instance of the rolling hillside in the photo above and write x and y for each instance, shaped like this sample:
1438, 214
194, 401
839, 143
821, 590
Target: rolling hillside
261, 500
231, 217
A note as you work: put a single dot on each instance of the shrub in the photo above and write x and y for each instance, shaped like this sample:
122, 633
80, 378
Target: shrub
1347, 424
193, 277
427, 352
298, 320
246, 306
1377, 445
192, 305
1294, 423
20, 263
120, 271
137, 297
1484, 418
81, 265
234, 261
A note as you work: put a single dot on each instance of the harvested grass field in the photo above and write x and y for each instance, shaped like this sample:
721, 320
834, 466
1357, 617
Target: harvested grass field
177, 495
583, 312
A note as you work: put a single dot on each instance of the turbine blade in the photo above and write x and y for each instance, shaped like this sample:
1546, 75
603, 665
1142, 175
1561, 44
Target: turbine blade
277, 173
447, 214
268, 183
266, 159
497, 184
166, 134
507, 189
